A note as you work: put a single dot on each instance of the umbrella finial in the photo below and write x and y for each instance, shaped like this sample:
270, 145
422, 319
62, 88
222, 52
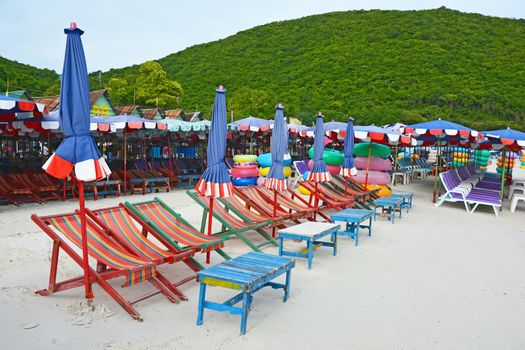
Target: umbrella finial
350, 118
319, 114
73, 25
221, 88
279, 106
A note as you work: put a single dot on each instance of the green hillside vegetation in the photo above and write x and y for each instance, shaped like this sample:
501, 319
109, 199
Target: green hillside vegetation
24, 77
378, 66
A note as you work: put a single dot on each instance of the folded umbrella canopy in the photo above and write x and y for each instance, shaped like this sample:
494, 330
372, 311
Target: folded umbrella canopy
78, 151
279, 145
348, 168
215, 181
319, 172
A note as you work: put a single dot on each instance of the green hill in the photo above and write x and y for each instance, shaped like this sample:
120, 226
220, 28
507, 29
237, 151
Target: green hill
378, 66
25, 77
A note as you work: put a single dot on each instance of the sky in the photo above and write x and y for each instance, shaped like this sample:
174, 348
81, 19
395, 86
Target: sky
120, 33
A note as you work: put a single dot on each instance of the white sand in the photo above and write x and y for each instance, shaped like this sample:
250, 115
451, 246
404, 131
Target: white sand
438, 279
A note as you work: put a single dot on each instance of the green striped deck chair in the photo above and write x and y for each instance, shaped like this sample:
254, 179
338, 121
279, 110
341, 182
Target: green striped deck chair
175, 230
244, 220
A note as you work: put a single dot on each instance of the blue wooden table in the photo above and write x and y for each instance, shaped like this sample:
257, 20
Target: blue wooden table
406, 196
248, 274
353, 219
389, 206
310, 232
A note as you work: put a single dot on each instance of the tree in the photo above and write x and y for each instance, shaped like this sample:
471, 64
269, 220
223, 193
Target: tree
53, 89
118, 90
154, 88
259, 103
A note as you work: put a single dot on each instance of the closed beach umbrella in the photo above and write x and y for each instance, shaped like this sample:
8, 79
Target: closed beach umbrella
348, 168
215, 181
78, 153
276, 180
319, 172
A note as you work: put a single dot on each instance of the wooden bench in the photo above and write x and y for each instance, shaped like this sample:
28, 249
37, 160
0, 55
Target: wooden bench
247, 273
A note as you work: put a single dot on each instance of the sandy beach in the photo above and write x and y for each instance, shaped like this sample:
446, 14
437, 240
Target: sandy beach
440, 278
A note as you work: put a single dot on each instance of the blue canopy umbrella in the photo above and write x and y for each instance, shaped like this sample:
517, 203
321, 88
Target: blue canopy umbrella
78, 151
509, 138
348, 168
215, 182
319, 172
276, 180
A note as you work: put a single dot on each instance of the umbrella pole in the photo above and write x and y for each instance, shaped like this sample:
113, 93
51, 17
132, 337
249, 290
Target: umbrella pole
368, 163
503, 168
436, 175
316, 202
210, 217
85, 261
125, 161
169, 156
395, 165
274, 211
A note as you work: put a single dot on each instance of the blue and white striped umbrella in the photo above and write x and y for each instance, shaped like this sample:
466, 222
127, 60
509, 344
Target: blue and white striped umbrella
319, 171
348, 168
215, 182
276, 180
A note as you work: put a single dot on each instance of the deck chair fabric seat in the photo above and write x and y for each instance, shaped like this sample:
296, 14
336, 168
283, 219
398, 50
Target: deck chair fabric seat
250, 195
170, 225
114, 259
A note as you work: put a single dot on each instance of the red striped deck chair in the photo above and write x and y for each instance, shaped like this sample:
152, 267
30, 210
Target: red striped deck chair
114, 259
234, 222
40, 184
14, 192
175, 230
353, 187
292, 201
255, 199
325, 197
363, 201
118, 223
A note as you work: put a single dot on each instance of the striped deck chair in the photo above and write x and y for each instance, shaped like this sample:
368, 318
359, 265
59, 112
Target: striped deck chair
340, 195
118, 223
232, 225
354, 188
255, 199
114, 259
15, 193
363, 200
165, 222
293, 202
40, 185
326, 197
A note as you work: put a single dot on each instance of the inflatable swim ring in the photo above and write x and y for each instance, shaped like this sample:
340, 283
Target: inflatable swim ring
265, 160
246, 164
374, 177
240, 158
376, 163
304, 191
246, 181
330, 156
362, 149
332, 169
264, 171
244, 172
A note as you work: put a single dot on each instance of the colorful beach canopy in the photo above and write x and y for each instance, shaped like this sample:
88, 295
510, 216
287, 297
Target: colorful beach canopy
348, 168
279, 146
78, 150
512, 139
215, 182
372, 133
252, 124
442, 131
176, 125
14, 108
319, 172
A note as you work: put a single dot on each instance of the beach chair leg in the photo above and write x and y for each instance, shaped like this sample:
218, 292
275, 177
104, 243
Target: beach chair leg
54, 265
164, 290
223, 254
310, 253
267, 236
126, 305
287, 285
171, 287
244, 310
247, 241
202, 300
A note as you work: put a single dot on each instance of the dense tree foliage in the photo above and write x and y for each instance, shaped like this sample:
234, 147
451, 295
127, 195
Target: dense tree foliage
378, 66
25, 77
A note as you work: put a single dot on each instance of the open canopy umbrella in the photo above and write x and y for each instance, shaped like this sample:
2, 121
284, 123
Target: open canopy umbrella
14, 108
319, 171
252, 124
348, 168
215, 182
512, 139
78, 151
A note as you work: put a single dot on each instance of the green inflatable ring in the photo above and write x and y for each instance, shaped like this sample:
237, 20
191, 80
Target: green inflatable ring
330, 156
242, 158
363, 150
